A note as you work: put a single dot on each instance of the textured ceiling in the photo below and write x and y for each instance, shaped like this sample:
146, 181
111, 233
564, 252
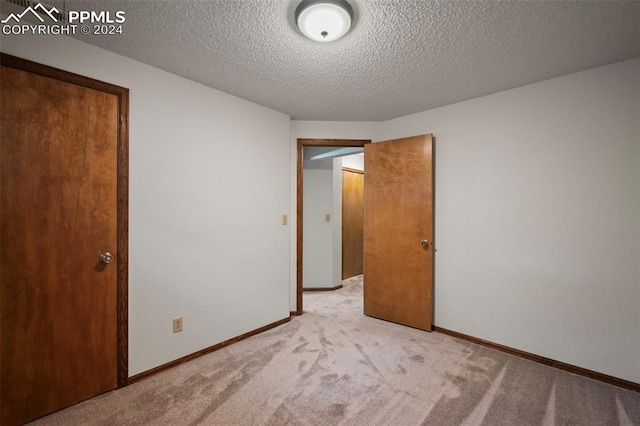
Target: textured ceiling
400, 57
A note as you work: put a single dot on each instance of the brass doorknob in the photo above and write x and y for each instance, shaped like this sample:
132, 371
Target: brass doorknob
425, 244
106, 258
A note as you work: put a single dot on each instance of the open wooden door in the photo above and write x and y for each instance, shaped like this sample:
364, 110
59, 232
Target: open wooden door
352, 222
398, 231
63, 239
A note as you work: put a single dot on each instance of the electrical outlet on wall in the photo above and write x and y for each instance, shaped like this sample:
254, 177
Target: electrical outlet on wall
177, 324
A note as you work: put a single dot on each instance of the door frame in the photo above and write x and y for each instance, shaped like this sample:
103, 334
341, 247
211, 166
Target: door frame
122, 280
301, 143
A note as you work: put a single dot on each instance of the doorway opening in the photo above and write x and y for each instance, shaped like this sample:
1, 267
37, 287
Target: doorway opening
310, 143
352, 209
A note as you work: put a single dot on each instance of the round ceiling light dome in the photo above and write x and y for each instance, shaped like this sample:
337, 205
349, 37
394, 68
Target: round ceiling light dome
324, 20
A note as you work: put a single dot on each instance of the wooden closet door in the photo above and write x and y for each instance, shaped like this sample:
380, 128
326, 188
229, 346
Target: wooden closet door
398, 231
58, 202
352, 223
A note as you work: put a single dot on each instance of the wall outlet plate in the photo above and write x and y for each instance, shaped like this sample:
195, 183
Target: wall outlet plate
177, 325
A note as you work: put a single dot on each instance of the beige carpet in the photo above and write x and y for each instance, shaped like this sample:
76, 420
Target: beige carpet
334, 366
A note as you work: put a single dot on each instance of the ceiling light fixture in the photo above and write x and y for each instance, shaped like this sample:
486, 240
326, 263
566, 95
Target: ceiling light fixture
324, 20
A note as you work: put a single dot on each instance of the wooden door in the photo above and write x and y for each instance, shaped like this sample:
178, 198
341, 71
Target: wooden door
59, 212
398, 216
352, 222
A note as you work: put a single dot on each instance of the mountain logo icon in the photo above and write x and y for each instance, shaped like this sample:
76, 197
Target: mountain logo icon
51, 13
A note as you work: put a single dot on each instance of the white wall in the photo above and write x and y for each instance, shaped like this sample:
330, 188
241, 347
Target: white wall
318, 234
353, 162
209, 182
538, 217
318, 130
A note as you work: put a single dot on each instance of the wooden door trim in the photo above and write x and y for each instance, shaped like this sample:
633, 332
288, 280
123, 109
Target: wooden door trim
348, 169
338, 287
122, 95
300, 148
